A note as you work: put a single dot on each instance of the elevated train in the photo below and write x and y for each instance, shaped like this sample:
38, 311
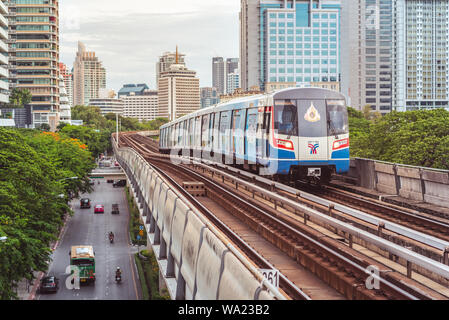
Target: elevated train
292, 134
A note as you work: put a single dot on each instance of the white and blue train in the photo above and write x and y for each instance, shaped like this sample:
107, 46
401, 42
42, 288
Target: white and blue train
292, 134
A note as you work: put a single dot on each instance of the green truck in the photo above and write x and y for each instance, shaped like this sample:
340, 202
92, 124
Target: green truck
83, 257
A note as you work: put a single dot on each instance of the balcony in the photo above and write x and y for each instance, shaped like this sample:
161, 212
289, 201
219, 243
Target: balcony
4, 34
4, 73
3, 8
3, 21
4, 98
4, 85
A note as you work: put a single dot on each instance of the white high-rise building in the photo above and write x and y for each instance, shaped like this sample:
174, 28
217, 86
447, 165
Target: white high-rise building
64, 107
89, 76
141, 106
420, 54
166, 60
178, 92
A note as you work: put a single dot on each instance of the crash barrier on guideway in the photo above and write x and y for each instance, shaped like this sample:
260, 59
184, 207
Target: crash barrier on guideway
196, 260
414, 183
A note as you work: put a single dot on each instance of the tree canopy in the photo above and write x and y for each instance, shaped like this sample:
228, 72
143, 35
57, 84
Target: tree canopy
35, 180
419, 138
18, 98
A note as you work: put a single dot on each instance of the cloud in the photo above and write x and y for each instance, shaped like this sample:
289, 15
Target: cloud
129, 39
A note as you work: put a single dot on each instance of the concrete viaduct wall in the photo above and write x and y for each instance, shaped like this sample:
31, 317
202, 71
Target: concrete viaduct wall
414, 183
196, 261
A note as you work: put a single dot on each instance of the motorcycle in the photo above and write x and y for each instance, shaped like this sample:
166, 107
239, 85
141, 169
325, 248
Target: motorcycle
118, 278
111, 239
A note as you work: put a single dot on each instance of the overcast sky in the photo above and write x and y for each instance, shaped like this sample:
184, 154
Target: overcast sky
129, 36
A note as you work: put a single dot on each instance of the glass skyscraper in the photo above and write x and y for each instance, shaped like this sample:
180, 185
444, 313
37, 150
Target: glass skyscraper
299, 42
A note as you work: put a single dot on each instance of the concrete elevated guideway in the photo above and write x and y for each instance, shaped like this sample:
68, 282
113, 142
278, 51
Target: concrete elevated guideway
196, 261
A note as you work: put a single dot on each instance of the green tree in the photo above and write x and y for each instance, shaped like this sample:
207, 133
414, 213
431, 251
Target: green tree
18, 98
33, 171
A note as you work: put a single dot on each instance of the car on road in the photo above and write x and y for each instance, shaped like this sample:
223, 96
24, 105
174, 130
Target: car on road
99, 208
85, 203
49, 284
115, 209
119, 183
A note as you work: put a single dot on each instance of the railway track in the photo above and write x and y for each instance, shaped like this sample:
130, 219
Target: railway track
334, 262
425, 224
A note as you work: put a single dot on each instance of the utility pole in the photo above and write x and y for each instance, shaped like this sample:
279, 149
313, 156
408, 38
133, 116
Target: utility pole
116, 122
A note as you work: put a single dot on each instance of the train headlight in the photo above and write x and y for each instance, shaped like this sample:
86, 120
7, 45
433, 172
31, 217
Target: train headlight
340, 144
284, 144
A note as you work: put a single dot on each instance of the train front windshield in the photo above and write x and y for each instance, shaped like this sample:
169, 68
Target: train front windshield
286, 117
311, 118
337, 117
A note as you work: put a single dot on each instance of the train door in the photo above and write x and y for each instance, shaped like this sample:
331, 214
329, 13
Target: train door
263, 133
216, 134
225, 122
251, 135
237, 134
313, 141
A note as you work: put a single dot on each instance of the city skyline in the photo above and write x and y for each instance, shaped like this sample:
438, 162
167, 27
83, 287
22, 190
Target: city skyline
146, 30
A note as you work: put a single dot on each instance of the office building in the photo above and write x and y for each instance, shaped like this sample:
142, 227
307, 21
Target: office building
209, 97
166, 60
219, 74
289, 41
233, 82
142, 106
179, 92
221, 69
108, 103
89, 76
135, 89
34, 56
367, 57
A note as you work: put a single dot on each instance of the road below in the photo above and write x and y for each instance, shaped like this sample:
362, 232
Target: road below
87, 228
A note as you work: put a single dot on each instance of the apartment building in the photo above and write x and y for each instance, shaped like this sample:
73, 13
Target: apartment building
420, 54
89, 76
34, 56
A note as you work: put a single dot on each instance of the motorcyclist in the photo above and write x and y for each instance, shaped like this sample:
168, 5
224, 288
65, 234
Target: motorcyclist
118, 273
111, 235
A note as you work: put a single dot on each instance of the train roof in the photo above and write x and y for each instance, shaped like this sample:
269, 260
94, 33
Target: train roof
289, 93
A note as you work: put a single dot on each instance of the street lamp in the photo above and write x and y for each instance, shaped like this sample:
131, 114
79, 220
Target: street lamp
71, 178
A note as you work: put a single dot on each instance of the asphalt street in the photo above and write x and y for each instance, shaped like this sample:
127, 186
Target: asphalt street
87, 228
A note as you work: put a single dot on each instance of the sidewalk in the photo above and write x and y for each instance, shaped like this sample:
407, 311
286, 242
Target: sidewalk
26, 290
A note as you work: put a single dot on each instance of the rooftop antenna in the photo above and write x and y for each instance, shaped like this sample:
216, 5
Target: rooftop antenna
177, 55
